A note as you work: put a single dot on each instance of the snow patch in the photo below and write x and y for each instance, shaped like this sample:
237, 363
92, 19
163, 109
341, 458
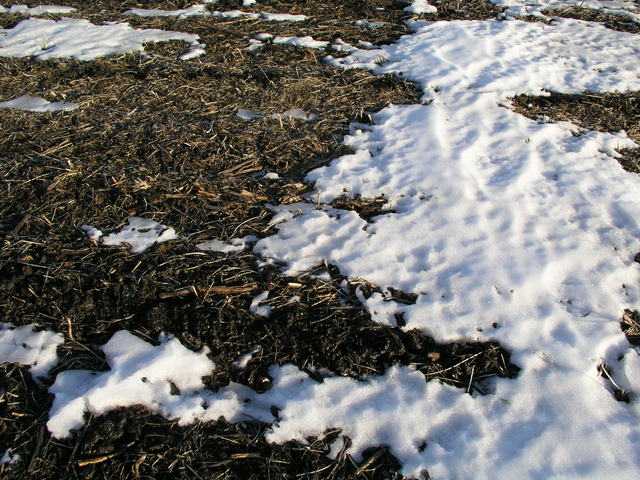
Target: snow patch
37, 11
37, 104
24, 346
420, 6
72, 38
261, 310
139, 233
237, 245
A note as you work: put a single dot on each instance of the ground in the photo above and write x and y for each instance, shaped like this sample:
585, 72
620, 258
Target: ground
160, 138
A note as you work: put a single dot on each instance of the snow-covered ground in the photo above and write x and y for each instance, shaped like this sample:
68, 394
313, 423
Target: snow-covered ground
505, 228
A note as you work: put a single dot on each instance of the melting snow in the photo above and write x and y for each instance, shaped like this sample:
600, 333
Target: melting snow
79, 39
261, 310
139, 233
236, 245
36, 11
24, 346
507, 229
37, 104
420, 6
499, 220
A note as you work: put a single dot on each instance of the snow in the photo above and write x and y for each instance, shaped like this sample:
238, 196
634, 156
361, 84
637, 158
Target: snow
420, 6
202, 10
261, 310
9, 458
24, 346
537, 234
193, 53
237, 245
306, 42
36, 11
248, 114
517, 8
140, 373
37, 104
139, 233
71, 38
295, 113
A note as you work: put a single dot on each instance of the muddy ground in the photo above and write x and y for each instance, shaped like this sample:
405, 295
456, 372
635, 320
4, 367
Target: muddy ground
159, 138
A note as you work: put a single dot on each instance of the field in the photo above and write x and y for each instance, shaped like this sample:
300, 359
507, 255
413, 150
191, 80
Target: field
320, 239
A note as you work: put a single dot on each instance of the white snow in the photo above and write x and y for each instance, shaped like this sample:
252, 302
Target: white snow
305, 42
37, 104
193, 10
420, 6
202, 10
283, 17
193, 53
517, 8
295, 113
499, 219
24, 346
237, 245
140, 373
36, 11
79, 39
139, 233
261, 310
248, 114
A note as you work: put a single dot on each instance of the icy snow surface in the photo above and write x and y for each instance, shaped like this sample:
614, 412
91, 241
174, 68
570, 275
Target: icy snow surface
79, 39
37, 104
499, 220
24, 346
139, 233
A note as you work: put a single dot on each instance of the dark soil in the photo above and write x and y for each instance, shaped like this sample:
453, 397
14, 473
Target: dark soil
603, 112
160, 138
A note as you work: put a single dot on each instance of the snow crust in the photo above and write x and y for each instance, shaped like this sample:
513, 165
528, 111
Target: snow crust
72, 38
37, 104
24, 346
139, 233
